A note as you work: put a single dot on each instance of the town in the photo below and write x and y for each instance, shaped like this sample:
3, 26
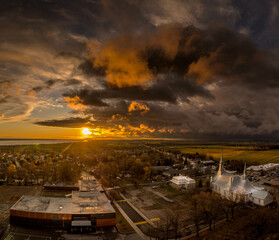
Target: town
136, 189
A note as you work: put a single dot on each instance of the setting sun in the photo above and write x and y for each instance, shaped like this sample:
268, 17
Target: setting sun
86, 131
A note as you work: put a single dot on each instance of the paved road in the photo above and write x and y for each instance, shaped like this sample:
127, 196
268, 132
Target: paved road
133, 215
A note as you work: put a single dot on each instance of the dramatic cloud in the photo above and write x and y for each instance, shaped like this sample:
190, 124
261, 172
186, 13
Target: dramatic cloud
75, 103
121, 61
142, 68
68, 122
136, 106
203, 55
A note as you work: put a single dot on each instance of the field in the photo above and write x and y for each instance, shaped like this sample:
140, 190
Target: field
244, 152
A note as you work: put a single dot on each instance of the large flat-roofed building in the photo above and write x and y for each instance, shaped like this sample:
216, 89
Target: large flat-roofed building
83, 206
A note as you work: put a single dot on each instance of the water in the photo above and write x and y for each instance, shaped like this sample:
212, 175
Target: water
11, 142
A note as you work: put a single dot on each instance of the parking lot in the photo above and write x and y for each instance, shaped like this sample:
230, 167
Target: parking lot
27, 233
22, 236
24, 233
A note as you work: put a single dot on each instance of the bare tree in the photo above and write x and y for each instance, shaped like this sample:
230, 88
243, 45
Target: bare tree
210, 206
226, 207
164, 226
196, 212
170, 226
232, 205
263, 222
176, 223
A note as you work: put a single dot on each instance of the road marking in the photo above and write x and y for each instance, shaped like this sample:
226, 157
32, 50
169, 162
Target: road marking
125, 200
139, 223
144, 222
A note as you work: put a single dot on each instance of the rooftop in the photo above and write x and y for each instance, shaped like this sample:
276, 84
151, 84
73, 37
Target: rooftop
76, 205
264, 167
88, 200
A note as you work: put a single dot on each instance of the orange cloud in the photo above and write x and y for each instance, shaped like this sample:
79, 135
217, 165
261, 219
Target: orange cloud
205, 69
32, 94
168, 37
75, 103
141, 129
121, 60
136, 106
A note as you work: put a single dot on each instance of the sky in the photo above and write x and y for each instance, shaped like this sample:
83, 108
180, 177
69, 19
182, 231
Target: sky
126, 69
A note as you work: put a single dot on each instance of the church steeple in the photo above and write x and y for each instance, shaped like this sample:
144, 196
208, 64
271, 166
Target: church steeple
221, 169
244, 172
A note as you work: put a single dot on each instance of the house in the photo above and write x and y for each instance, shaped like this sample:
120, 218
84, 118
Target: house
181, 182
170, 172
208, 162
238, 187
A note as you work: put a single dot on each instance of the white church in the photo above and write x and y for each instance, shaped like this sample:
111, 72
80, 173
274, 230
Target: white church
238, 187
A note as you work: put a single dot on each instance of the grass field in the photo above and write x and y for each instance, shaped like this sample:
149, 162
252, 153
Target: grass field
245, 153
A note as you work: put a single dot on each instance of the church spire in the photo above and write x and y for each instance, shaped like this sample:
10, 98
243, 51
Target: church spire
221, 169
244, 172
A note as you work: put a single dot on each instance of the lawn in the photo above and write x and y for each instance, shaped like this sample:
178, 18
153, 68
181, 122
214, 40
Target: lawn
245, 153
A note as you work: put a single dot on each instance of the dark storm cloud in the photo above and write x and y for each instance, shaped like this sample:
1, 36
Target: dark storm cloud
193, 76
203, 55
168, 89
68, 122
88, 69
252, 123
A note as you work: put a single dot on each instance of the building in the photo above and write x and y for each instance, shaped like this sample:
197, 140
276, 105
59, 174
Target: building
238, 187
263, 169
171, 172
73, 213
60, 187
181, 182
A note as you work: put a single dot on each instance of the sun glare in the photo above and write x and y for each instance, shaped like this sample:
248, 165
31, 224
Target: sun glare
86, 132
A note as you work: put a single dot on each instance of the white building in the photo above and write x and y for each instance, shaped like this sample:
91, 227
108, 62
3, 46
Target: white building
238, 187
266, 168
180, 182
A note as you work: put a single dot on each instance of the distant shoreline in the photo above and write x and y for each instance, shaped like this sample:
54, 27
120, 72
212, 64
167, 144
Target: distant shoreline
14, 142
